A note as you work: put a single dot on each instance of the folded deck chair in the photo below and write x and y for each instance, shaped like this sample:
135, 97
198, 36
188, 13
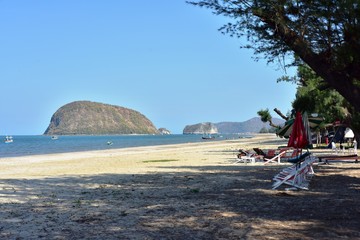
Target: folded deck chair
298, 175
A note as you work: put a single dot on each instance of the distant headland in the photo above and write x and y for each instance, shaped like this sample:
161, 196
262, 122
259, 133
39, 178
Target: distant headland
92, 118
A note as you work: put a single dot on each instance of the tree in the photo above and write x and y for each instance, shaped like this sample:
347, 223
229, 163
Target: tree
324, 34
265, 116
327, 102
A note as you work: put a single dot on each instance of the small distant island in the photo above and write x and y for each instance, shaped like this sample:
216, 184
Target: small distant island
201, 128
253, 125
92, 118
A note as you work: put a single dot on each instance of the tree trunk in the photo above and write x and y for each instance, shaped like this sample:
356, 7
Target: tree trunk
343, 81
272, 124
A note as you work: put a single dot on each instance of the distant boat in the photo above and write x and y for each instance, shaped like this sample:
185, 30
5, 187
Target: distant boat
109, 143
54, 137
208, 137
8, 139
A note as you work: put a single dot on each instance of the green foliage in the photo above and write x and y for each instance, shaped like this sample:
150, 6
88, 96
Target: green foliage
313, 96
304, 103
276, 28
194, 190
264, 115
325, 35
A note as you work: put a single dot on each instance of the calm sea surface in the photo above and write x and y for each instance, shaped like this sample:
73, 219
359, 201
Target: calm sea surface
34, 145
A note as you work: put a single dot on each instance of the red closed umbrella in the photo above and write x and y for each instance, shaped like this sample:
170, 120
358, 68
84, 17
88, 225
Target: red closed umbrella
298, 138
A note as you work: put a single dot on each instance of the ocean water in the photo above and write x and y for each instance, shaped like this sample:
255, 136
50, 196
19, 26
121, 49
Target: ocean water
39, 144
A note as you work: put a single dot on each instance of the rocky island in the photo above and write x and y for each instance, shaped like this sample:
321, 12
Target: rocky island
201, 128
92, 118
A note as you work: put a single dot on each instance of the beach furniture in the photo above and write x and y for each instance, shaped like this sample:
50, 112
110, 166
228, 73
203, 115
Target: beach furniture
246, 157
354, 149
333, 147
275, 158
244, 153
299, 174
290, 153
327, 158
259, 151
272, 155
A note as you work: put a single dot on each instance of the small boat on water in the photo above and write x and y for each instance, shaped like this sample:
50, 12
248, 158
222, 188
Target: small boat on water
8, 139
54, 137
208, 137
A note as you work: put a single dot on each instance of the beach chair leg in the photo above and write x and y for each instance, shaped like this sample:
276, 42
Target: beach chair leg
245, 160
274, 159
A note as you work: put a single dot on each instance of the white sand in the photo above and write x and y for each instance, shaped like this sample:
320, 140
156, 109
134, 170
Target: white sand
132, 160
183, 191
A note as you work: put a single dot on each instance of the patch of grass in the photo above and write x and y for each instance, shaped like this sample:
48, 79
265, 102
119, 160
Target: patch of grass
195, 190
77, 203
161, 160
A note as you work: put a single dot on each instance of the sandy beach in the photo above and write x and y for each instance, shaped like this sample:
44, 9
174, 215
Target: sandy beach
182, 191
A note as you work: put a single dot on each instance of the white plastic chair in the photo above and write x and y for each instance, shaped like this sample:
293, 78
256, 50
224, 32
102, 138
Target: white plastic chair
333, 147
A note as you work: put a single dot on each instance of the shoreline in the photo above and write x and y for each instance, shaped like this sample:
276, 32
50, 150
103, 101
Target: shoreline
137, 160
132, 159
33, 145
258, 138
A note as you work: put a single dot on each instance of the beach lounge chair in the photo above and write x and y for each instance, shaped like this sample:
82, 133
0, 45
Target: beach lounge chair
333, 157
246, 157
262, 153
275, 158
272, 155
243, 153
291, 153
299, 158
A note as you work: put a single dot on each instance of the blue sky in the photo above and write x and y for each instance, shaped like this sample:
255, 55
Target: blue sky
163, 58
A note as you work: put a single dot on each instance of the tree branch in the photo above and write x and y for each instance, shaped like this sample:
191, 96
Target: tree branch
281, 114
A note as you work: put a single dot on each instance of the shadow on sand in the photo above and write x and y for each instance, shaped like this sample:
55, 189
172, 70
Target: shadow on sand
234, 202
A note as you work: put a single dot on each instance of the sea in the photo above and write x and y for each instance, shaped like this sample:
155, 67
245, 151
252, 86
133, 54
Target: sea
41, 144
